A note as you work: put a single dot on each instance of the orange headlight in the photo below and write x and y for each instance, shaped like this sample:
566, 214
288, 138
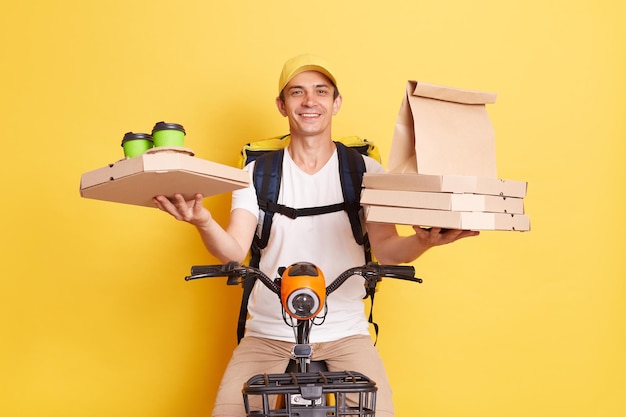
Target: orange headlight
303, 290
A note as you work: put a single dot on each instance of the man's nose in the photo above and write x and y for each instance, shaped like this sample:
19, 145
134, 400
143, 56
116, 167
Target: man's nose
308, 100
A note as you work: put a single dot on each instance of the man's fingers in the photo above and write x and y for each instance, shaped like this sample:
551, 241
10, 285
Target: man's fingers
197, 206
176, 206
163, 203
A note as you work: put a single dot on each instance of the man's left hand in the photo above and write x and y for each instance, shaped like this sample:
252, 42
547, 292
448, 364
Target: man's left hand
436, 236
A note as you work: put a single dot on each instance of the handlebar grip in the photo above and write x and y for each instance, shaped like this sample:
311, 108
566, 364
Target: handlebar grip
398, 271
210, 270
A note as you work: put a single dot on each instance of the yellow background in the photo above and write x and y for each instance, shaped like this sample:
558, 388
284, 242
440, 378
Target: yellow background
96, 319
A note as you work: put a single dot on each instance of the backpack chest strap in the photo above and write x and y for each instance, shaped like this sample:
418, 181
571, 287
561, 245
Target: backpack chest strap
293, 213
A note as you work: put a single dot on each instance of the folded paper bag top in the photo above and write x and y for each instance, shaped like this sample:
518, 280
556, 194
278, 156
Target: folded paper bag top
454, 95
443, 131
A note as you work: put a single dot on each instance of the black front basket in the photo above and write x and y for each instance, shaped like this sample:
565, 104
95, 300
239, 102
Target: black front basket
320, 394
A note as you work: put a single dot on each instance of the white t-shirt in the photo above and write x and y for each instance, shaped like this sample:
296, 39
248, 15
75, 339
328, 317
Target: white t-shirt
325, 240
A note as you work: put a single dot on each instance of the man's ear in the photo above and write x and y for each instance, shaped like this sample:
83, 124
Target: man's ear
281, 106
337, 104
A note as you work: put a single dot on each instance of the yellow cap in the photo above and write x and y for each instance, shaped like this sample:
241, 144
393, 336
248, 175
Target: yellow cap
301, 63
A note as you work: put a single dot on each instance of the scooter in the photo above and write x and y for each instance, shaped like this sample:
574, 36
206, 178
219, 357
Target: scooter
303, 391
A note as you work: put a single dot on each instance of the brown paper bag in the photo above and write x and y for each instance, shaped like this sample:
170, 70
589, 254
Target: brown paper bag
443, 131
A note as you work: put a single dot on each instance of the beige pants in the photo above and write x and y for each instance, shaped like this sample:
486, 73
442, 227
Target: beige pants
256, 355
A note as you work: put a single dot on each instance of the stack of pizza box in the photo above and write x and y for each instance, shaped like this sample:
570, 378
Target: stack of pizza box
442, 166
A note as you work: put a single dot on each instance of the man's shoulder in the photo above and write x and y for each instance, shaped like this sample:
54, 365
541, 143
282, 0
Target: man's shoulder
372, 165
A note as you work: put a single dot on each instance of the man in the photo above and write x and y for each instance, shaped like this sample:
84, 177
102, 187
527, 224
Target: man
308, 98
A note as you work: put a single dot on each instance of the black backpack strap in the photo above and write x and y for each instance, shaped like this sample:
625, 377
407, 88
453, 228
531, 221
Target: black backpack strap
268, 171
351, 169
293, 213
248, 284
266, 177
371, 317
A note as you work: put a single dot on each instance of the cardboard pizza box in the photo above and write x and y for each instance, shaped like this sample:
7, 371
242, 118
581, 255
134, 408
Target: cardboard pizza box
443, 201
447, 219
160, 171
446, 184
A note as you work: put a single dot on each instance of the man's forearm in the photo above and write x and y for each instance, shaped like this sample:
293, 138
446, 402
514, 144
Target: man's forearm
219, 243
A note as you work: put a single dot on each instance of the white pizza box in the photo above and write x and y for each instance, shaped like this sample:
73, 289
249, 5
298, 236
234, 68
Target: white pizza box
160, 171
443, 201
447, 219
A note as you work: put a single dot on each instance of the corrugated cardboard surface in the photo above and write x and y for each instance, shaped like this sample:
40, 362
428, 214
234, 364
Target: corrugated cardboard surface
448, 219
443, 201
137, 180
445, 183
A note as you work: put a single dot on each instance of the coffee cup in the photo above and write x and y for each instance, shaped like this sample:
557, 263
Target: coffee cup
135, 144
168, 134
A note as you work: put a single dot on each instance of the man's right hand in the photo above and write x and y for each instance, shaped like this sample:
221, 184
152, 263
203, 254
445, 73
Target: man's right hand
190, 211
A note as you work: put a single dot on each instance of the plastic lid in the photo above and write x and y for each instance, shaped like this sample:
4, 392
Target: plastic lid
136, 136
167, 126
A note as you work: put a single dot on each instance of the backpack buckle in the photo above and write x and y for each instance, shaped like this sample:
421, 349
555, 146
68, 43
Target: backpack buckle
271, 207
292, 213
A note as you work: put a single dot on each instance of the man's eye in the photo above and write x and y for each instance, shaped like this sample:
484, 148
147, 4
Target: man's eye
296, 92
322, 91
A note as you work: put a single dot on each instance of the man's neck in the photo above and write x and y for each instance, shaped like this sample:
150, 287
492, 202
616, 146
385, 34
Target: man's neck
311, 153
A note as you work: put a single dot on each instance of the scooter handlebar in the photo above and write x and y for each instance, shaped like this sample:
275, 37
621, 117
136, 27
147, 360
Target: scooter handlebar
406, 272
206, 271
211, 271
373, 273
236, 273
